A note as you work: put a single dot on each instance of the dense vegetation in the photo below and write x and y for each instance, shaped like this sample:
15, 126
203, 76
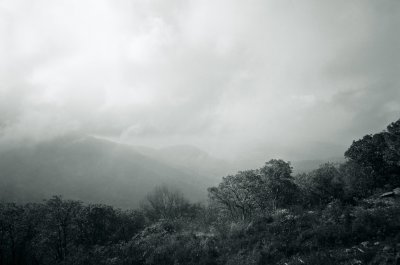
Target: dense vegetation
335, 214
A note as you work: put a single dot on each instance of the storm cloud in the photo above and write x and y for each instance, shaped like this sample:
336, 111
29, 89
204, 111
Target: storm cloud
239, 79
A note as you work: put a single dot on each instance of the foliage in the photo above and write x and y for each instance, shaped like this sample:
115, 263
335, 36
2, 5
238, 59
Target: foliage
321, 186
251, 191
379, 154
334, 214
237, 194
163, 203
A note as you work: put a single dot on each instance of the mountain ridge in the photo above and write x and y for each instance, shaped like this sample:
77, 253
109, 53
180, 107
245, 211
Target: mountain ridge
89, 169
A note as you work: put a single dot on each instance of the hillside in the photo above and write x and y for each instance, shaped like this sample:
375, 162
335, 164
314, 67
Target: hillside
191, 160
91, 170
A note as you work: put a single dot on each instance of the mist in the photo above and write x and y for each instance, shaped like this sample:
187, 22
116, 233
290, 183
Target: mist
240, 80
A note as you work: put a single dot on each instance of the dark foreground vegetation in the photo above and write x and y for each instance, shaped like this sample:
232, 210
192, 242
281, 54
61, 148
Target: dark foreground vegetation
337, 214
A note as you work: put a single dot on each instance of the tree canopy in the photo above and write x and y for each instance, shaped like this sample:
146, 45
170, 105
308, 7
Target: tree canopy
379, 154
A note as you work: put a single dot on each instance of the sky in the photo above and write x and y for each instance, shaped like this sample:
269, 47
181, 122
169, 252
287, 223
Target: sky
242, 80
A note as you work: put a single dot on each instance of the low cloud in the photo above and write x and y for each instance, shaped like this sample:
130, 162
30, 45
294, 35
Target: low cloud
230, 77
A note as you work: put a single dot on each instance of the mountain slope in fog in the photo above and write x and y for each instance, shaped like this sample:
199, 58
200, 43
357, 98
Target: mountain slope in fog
191, 160
92, 170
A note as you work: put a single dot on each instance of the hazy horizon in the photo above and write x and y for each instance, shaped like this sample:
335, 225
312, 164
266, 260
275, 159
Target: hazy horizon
241, 80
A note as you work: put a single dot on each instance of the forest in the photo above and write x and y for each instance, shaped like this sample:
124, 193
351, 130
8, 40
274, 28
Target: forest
339, 213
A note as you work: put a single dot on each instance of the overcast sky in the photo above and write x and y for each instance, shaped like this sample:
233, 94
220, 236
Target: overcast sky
239, 79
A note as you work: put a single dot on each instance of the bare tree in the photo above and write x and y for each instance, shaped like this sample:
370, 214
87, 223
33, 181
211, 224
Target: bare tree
162, 203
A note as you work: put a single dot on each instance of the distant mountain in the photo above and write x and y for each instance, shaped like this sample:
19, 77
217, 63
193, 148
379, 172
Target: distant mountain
191, 160
95, 170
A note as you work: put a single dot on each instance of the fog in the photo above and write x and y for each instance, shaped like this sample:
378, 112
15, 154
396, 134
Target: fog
242, 80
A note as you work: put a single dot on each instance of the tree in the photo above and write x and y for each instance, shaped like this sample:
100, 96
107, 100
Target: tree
326, 184
359, 182
276, 188
236, 193
379, 154
97, 224
264, 189
18, 229
392, 153
163, 203
102, 224
11, 232
60, 224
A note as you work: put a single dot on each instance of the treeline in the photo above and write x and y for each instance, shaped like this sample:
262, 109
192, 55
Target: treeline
345, 213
